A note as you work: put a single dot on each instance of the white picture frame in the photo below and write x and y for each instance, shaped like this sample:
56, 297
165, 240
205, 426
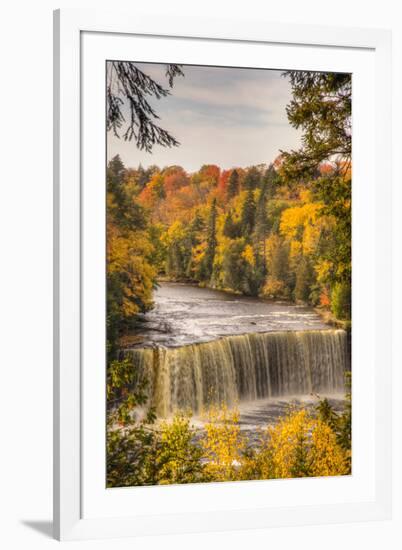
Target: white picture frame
83, 507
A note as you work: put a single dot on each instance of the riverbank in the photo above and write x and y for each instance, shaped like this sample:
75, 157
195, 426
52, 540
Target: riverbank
329, 319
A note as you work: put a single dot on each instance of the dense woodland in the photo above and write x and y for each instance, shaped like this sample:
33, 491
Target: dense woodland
243, 230
278, 230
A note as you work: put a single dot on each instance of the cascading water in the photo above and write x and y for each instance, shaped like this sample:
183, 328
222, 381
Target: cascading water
242, 368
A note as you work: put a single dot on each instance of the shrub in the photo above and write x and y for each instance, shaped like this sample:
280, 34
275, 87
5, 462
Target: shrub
300, 445
341, 301
223, 445
178, 457
274, 288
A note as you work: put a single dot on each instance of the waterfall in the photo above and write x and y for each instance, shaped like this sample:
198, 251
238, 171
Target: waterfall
243, 368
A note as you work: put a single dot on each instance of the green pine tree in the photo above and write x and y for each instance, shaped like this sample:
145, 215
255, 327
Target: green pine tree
230, 228
304, 280
234, 266
261, 222
272, 181
233, 183
252, 179
196, 227
208, 261
247, 219
301, 466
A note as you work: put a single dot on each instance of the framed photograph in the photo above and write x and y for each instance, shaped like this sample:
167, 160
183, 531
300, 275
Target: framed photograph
222, 275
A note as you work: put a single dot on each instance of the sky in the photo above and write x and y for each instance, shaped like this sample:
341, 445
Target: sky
225, 116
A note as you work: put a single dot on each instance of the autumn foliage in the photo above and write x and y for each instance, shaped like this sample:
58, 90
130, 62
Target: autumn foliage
300, 444
280, 230
242, 230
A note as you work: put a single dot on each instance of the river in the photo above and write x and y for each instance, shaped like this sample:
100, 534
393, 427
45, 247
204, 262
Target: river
198, 346
187, 314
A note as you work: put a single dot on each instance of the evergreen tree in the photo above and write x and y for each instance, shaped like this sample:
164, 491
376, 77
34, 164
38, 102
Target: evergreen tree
261, 221
142, 176
122, 209
326, 413
194, 238
278, 260
321, 107
252, 179
175, 261
127, 92
341, 300
234, 266
341, 424
304, 280
344, 435
233, 184
248, 215
115, 175
196, 226
271, 180
115, 172
209, 257
230, 228
301, 465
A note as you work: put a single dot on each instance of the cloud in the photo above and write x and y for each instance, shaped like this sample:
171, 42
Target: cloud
246, 87
226, 116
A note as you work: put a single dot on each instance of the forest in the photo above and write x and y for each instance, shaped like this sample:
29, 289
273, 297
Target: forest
280, 230
244, 230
